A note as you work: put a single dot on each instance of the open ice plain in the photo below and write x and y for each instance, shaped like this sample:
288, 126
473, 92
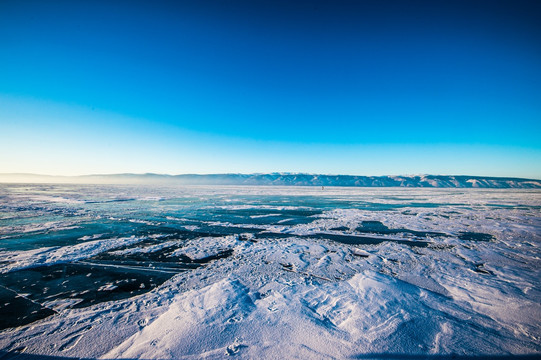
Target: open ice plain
268, 272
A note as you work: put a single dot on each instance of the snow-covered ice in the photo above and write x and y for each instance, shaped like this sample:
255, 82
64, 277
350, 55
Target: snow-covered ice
269, 272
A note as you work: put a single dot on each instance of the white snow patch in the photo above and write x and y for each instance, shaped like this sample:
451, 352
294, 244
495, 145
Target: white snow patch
16, 260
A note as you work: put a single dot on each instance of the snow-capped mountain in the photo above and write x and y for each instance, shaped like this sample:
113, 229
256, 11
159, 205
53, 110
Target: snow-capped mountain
289, 179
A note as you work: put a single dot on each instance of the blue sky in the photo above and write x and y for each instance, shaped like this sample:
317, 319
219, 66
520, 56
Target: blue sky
352, 87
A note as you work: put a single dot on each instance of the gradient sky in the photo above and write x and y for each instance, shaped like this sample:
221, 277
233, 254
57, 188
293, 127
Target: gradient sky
352, 87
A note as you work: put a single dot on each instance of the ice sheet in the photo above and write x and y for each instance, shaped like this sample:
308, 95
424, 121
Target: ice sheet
259, 272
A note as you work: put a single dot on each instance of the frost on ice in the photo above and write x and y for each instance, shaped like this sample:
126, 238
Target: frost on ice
256, 272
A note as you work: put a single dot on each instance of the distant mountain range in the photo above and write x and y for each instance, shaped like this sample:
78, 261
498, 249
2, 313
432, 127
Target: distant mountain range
286, 179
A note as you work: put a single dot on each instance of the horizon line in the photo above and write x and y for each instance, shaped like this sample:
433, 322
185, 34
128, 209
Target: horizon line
261, 173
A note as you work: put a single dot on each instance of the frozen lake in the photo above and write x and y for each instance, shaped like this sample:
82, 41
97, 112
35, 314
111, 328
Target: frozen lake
268, 272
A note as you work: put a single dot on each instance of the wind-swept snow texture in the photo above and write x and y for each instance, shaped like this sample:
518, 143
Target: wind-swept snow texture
209, 272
